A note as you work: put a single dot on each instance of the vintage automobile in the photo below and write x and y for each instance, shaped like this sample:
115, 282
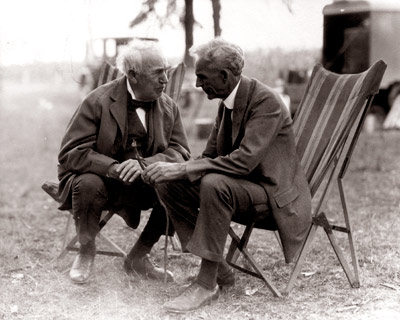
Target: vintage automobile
358, 33
98, 51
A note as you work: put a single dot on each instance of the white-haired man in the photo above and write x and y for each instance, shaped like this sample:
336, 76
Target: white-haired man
98, 166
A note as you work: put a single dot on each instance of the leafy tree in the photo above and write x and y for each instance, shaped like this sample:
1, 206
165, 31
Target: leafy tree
187, 19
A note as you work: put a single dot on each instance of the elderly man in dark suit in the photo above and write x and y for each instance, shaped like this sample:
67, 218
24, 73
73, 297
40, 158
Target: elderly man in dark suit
250, 159
117, 124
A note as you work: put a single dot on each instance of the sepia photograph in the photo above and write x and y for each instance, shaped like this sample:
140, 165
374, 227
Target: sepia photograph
200, 159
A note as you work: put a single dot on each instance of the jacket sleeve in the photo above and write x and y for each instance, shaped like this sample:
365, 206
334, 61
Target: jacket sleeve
264, 120
78, 148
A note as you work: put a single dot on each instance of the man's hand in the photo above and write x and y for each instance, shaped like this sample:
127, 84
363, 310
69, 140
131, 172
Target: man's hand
164, 171
127, 171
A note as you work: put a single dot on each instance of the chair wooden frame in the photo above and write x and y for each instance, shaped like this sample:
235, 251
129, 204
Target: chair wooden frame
51, 188
325, 165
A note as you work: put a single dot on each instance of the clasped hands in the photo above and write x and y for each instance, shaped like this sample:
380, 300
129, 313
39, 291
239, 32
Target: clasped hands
158, 172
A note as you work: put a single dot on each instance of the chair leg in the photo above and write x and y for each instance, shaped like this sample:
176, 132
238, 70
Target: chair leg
339, 254
278, 238
70, 246
118, 253
175, 243
301, 258
356, 279
237, 245
322, 221
66, 245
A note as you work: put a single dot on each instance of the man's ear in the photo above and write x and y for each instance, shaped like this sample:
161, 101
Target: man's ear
225, 75
132, 75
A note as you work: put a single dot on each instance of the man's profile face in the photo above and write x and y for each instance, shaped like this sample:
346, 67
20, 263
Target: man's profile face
152, 80
211, 80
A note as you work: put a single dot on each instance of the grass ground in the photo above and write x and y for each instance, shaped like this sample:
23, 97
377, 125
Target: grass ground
35, 285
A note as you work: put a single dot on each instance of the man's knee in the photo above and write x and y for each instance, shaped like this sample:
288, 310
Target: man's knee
214, 181
170, 190
89, 186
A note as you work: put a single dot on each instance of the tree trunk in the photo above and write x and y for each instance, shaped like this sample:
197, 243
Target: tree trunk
216, 17
188, 23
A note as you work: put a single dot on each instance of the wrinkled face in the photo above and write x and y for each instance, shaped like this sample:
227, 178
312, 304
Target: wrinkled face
150, 83
211, 80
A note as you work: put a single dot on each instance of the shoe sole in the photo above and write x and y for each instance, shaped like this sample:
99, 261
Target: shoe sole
80, 282
209, 301
133, 273
83, 281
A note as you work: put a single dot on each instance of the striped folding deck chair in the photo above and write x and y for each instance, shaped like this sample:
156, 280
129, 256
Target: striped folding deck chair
175, 80
108, 73
326, 127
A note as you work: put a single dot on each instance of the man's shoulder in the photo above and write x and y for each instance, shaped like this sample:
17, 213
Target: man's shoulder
266, 95
166, 98
107, 90
261, 87
262, 90
167, 101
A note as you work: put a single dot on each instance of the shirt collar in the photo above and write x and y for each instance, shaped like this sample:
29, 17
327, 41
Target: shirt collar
230, 100
128, 85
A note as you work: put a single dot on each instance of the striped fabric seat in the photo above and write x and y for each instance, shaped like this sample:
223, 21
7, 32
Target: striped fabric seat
108, 73
326, 114
175, 78
326, 127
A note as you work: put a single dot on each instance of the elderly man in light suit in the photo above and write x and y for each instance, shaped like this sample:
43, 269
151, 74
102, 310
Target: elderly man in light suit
250, 159
117, 124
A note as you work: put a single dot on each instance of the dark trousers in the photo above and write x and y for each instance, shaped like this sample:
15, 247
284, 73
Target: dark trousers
91, 194
201, 213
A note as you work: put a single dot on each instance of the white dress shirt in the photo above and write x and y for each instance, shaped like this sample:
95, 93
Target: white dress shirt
140, 111
230, 100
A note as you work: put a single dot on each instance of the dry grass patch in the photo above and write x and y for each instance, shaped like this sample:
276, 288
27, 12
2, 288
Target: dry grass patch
36, 286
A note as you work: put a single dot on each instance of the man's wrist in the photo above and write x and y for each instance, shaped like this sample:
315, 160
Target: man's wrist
182, 170
112, 171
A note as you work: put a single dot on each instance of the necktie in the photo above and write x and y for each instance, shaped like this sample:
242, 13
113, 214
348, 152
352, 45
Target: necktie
141, 104
227, 130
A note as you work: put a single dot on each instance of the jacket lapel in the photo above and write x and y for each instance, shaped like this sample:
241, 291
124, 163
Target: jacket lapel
118, 107
240, 106
153, 118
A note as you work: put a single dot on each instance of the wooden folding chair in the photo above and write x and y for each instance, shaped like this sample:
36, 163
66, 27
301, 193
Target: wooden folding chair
51, 188
108, 73
326, 127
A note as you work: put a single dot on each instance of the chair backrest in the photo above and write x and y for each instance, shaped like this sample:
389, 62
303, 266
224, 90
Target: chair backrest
108, 73
331, 107
175, 78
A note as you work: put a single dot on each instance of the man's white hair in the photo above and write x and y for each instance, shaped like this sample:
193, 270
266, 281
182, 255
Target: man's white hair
222, 54
131, 57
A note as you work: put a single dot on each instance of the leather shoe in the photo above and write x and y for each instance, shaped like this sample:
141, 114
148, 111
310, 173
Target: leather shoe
80, 270
226, 280
145, 268
192, 298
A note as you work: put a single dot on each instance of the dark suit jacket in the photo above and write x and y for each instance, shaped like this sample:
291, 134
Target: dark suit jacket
99, 128
265, 153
